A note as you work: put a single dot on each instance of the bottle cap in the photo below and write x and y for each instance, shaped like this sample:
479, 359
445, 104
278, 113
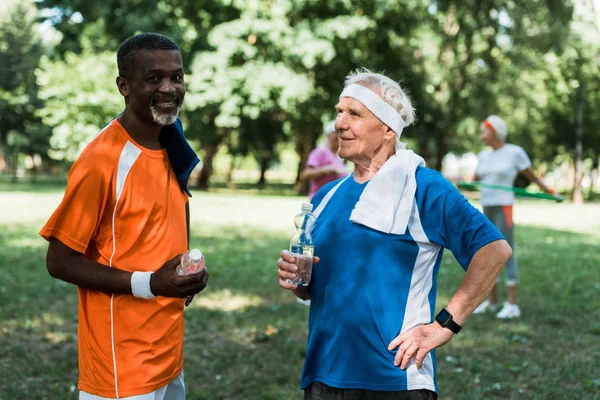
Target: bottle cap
307, 207
195, 255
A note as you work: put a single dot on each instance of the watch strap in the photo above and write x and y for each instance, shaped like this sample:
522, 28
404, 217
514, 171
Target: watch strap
448, 322
453, 326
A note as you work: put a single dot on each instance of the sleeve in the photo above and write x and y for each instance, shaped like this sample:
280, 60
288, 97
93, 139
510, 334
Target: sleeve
522, 159
315, 158
450, 221
78, 216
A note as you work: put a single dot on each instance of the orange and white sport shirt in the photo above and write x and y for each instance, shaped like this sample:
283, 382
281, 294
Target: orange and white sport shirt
124, 208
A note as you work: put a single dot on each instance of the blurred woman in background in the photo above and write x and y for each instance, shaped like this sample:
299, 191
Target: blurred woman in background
323, 164
500, 165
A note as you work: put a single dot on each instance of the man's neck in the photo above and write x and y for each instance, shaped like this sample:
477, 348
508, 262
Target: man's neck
144, 134
366, 170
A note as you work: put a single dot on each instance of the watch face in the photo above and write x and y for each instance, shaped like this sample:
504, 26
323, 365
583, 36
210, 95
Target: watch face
443, 317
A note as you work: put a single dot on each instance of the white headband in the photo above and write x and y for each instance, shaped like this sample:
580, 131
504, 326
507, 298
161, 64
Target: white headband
382, 110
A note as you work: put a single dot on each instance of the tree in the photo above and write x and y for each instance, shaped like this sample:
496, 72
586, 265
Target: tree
81, 97
574, 87
21, 130
264, 72
479, 51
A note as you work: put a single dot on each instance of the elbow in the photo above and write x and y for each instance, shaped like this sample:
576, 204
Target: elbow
53, 268
506, 251
54, 263
304, 175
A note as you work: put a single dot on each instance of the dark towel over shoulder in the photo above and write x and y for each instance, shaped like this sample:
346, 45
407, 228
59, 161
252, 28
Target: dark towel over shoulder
181, 155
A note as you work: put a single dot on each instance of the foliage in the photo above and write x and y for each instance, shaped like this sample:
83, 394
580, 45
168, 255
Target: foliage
21, 129
81, 97
263, 72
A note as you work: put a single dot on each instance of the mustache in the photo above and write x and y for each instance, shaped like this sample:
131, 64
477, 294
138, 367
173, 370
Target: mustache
162, 98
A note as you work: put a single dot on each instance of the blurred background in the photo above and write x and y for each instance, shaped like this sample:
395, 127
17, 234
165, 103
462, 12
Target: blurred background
263, 77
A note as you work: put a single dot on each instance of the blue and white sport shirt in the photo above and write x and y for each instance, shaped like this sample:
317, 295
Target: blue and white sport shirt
370, 286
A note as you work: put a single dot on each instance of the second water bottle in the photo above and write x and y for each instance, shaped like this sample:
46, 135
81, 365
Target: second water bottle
192, 262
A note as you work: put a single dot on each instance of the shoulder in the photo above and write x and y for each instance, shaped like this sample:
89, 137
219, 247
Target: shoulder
101, 156
514, 149
484, 153
318, 156
427, 177
318, 150
433, 188
318, 197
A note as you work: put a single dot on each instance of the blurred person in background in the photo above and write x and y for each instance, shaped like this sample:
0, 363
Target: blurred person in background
500, 165
323, 164
379, 238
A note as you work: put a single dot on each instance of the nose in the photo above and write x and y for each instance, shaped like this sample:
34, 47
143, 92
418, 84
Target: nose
166, 86
341, 122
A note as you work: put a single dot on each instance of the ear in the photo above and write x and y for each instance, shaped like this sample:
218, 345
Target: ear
389, 133
122, 86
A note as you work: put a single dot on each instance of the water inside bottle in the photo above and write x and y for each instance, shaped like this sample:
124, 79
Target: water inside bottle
303, 258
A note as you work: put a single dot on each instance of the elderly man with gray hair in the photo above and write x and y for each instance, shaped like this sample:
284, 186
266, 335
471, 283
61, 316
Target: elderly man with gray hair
379, 238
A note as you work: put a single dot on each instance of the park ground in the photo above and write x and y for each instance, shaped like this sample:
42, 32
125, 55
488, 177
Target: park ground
245, 337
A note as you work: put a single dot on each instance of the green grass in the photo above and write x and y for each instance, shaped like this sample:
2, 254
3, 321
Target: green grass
245, 337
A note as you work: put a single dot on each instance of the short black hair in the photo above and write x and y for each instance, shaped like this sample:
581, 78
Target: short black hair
126, 55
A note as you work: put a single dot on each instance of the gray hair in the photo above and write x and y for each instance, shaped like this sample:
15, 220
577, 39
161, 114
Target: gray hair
389, 90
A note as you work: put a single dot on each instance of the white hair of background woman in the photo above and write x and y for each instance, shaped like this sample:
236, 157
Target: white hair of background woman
388, 89
329, 128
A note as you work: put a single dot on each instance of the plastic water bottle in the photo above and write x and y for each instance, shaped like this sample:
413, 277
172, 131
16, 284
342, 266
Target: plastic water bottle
192, 262
301, 245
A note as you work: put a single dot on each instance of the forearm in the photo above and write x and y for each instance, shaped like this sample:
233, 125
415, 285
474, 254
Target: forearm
70, 266
529, 174
543, 186
313, 173
479, 279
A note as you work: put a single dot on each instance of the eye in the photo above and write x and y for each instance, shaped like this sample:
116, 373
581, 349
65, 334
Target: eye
178, 78
153, 79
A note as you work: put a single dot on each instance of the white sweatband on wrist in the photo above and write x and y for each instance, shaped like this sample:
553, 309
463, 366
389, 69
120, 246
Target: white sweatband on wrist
140, 285
379, 107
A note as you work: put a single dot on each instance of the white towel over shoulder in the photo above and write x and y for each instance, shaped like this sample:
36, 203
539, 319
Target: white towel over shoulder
386, 203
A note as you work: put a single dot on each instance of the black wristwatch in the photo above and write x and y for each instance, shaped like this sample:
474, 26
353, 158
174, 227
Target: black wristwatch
444, 318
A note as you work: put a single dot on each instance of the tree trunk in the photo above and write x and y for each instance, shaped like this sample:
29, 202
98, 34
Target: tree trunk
593, 177
265, 160
207, 169
13, 161
441, 141
577, 192
306, 142
232, 167
453, 25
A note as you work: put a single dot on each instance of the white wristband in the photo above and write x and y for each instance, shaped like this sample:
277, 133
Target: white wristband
140, 285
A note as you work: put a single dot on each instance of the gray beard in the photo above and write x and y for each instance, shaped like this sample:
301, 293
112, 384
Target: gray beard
164, 119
